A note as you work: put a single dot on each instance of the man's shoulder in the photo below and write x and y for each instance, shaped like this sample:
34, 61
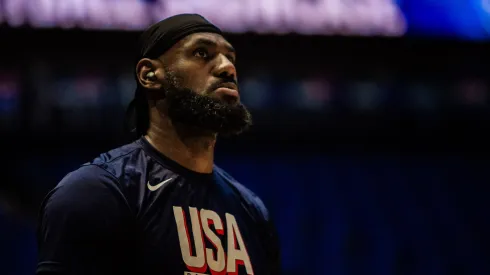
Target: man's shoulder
87, 173
81, 190
87, 177
124, 164
105, 172
252, 199
117, 157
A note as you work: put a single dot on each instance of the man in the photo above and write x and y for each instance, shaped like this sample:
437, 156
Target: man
159, 205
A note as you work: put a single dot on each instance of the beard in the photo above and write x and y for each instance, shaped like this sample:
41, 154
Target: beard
204, 112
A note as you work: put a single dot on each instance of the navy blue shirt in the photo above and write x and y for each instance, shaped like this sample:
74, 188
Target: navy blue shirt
134, 211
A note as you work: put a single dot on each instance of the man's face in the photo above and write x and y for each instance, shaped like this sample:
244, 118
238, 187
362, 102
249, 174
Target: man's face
201, 85
205, 61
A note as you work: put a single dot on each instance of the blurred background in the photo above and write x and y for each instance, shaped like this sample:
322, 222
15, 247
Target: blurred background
370, 144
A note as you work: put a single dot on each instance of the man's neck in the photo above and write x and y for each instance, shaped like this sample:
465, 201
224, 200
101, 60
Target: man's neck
191, 149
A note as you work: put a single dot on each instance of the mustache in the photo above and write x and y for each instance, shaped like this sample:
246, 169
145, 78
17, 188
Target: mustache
221, 82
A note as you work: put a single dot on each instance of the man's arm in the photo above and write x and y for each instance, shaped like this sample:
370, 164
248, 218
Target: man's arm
82, 225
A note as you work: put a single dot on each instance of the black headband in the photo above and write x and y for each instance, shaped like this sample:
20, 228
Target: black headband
155, 41
160, 37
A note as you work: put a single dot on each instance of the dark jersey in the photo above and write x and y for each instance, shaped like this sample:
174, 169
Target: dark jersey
134, 211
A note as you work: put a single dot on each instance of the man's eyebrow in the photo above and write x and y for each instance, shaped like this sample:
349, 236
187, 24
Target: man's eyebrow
211, 43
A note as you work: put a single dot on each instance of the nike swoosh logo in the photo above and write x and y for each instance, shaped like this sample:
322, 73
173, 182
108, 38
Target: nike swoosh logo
156, 187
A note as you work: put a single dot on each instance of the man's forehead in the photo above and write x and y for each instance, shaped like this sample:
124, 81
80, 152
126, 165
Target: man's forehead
203, 37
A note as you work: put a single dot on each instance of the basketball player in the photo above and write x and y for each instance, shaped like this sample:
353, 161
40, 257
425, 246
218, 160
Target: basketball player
159, 205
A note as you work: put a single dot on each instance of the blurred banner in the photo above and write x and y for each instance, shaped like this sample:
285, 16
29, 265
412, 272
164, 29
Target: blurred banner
366, 17
462, 19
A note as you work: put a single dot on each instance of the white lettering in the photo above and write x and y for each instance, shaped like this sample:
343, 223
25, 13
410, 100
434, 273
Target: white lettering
216, 259
237, 252
198, 261
218, 263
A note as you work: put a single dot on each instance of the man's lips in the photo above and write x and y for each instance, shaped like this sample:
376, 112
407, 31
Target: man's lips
228, 89
228, 85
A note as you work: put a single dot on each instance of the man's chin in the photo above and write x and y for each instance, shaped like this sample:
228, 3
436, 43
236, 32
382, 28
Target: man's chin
226, 129
221, 115
232, 133
199, 130
231, 101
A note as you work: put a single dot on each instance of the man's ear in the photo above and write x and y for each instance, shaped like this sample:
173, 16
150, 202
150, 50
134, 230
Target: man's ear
150, 74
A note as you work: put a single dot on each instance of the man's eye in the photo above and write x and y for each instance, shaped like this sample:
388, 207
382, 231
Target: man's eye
231, 58
202, 53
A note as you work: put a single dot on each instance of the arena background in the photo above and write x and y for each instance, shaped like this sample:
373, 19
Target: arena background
369, 146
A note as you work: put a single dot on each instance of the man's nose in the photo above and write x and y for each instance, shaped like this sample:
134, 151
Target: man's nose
225, 68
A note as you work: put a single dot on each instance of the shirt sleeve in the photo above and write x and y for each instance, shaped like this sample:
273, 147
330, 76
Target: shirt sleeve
83, 225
